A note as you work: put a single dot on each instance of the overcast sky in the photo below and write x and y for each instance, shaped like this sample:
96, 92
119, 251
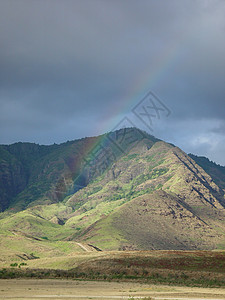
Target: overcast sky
70, 69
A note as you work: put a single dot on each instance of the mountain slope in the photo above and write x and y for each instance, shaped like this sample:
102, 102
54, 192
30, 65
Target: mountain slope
156, 221
141, 194
179, 196
216, 171
33, 173
13, 177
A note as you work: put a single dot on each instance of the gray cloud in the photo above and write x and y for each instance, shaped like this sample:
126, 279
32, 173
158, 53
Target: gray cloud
72, 68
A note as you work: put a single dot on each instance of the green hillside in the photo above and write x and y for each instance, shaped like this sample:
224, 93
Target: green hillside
31, 174
142, 194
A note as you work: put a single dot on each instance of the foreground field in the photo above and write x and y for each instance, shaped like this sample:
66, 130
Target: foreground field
68, 289
184, 268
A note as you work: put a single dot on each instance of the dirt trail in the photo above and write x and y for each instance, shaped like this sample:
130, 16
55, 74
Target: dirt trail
84, 247
38, 289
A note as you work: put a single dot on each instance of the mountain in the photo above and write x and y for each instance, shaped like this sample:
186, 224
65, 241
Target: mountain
124, 190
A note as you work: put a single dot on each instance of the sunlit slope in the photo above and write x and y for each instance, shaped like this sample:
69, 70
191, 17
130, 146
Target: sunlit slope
155, 221
184, 207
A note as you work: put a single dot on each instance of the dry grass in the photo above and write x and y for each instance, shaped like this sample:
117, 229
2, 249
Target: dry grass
190, 268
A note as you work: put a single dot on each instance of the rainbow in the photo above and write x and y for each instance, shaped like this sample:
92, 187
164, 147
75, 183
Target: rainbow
141, 86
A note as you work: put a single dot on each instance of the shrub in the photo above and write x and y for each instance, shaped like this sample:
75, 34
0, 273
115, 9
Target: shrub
14, 265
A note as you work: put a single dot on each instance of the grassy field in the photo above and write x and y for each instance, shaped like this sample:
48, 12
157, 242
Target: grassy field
189, 268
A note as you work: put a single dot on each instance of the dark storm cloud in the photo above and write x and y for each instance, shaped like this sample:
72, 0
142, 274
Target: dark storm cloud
67, 67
